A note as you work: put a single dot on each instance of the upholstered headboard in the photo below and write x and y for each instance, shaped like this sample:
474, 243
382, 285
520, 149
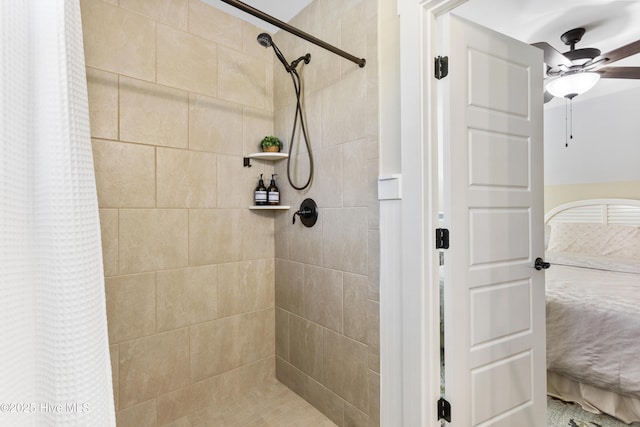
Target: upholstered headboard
600, 211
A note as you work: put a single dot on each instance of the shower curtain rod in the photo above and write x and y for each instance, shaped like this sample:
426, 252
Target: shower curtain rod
293, 30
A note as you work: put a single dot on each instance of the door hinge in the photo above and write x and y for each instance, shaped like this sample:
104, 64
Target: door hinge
442, 238
441, 65
444, 410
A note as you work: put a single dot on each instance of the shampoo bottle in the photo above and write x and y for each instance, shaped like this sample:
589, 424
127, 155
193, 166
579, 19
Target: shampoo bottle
260, 193
273, 194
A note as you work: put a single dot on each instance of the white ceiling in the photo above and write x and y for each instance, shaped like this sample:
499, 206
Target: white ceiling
609, 24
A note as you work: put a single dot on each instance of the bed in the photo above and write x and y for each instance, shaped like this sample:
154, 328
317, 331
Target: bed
593, 305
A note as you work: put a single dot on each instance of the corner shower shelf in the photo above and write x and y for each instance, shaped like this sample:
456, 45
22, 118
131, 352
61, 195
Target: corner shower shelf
272, 157
270, 208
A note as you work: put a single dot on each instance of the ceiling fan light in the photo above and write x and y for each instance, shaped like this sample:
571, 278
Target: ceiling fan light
571, 85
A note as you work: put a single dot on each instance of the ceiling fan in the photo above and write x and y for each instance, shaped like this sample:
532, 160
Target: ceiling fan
578, 70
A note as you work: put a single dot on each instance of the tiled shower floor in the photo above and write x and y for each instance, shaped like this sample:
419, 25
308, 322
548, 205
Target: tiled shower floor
272, 405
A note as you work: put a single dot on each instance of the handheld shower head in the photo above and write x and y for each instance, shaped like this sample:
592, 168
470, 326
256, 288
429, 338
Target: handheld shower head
265, 40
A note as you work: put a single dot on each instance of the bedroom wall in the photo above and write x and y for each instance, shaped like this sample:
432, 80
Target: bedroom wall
178, 92
602, 159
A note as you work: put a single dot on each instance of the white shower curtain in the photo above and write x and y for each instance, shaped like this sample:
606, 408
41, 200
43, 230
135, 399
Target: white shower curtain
54, 355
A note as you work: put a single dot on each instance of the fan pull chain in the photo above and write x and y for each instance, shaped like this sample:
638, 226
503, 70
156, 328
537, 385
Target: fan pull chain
568, 120
571, 118
566, 126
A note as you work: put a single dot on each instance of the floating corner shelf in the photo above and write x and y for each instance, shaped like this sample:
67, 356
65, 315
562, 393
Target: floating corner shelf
272, 157
270, 208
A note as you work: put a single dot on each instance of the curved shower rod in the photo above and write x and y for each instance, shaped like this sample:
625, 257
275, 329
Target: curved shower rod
293, 30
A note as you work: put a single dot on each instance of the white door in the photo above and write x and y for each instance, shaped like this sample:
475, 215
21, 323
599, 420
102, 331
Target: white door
495, 371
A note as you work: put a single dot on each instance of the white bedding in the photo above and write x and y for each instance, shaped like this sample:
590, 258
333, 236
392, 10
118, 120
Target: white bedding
593, 327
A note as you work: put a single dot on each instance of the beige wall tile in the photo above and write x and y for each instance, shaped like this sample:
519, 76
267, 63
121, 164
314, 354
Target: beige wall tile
257, 234
373, 334
187, 296
153, 114
186, 179
250, 375
372, 191
290, 286
113, 355
328, 190
229, 343
142, 415
125, 174
188, 400
355, 306
356, 178
242, 78
374, 399
353, 37
325, 400
109, 232
299, 171
186, 61
256, 124
282, 225
353, 417
344, 239
215, 25
153, 366
374, 265
152, 239
236, 185
342, 119
102, 88
345, 369
171, 12
118, 40
282, 334
250, 44
215, 125
290, 376
324, 68
305, 346
215, 236
323, 296
305, 244
245, 286
131, 306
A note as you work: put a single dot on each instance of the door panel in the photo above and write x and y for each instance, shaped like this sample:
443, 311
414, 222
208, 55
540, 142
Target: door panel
492, 171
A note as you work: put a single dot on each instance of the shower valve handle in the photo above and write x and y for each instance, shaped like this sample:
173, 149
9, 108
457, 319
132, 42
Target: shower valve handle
308, 213
302, 213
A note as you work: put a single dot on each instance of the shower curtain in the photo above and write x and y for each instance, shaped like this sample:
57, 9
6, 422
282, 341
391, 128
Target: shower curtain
54, 354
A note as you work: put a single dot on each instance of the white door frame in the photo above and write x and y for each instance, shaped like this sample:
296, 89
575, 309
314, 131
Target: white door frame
411, 306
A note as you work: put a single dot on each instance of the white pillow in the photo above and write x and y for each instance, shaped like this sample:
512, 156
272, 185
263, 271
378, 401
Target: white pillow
621, 241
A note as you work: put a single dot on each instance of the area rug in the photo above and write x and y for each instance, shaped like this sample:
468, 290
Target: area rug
562, 414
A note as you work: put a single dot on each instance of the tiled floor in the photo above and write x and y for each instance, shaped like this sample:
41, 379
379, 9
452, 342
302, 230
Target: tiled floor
271, 405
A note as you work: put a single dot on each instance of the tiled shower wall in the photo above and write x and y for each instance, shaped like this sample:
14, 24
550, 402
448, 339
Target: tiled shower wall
327, 281
178, 93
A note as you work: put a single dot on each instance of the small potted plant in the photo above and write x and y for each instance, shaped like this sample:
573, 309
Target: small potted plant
271, 144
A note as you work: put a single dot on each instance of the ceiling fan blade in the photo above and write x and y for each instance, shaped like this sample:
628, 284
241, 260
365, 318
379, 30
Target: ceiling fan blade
547, 97
619, 72
552, 57
617, 54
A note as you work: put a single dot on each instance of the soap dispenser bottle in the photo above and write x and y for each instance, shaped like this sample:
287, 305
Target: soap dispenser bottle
273, 194
260, 193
